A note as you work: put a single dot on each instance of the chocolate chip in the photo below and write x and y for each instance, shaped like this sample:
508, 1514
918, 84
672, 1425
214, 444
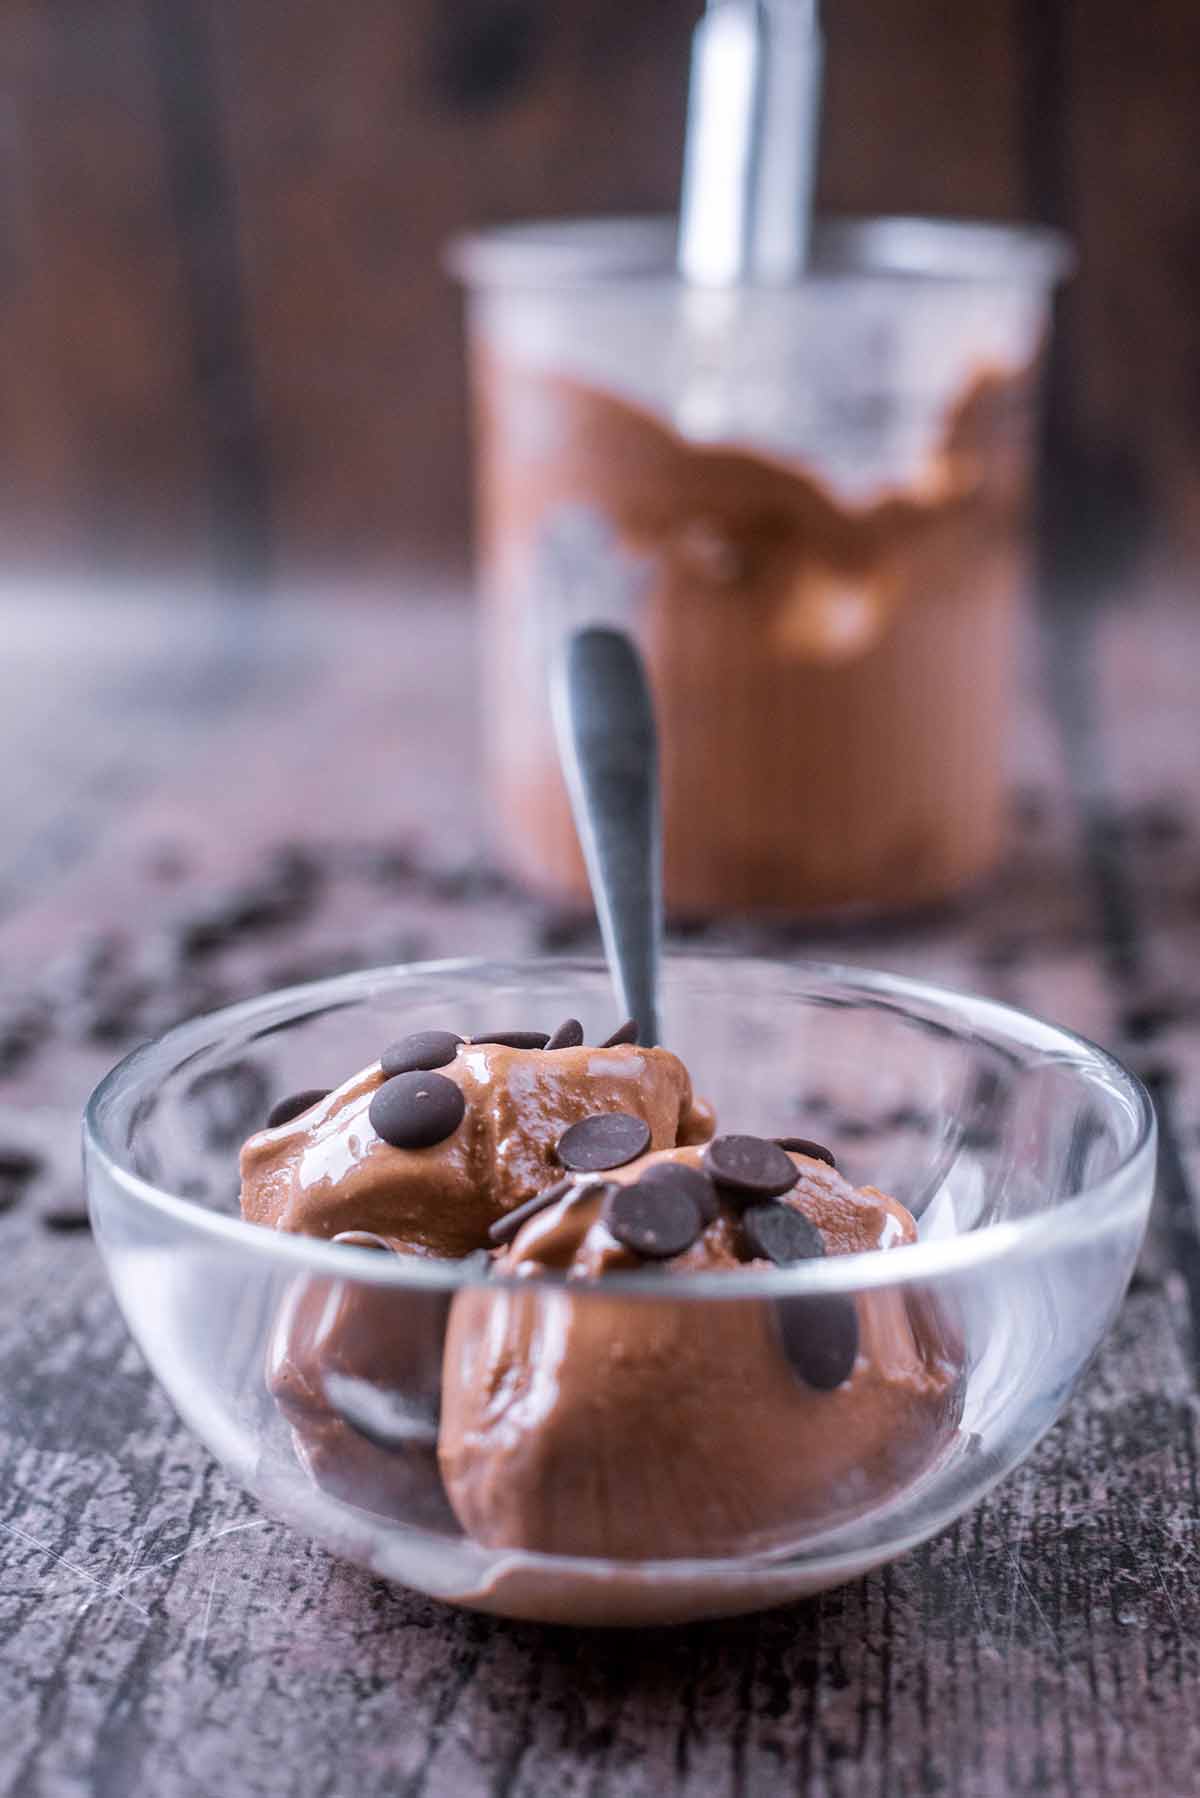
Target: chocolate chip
420, 1052
628, 1033
654, 1218
113, 1018
819, 1334
506, 1227
569, 1035
382, 864
751, 1165
781, 1234
515, 1039
800, 1145
856, 1129
909, 1117
65, 1213
680, 1178
23, 1030
18, 1163
85, 971
415, 1111
363, 1239
819, 1337
284, 1110
228, 1102
606, 1139
462, 878
283, 893
19, 1167
556, 932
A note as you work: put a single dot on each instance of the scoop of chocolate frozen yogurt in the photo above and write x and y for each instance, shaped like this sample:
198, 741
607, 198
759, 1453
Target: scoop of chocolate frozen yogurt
566, 1416
582, 1422
432, 1144
357, 1375
420, 1153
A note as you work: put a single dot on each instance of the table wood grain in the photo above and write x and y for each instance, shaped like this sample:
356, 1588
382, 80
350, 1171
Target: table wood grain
159, 1635
227, 333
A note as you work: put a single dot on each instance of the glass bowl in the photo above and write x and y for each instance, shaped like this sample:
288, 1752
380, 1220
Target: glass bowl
1025, 1153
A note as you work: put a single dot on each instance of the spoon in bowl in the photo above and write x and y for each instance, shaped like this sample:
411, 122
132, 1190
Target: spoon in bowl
608, 746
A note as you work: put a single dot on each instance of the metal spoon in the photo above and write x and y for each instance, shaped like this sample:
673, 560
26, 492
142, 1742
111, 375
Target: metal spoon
750, 157
608, 745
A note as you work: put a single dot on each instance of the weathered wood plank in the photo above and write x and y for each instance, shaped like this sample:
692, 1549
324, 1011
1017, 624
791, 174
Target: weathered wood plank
99, 461
1134, 144
156, 1633
226, 334
922, 109
347, 196
160, 1635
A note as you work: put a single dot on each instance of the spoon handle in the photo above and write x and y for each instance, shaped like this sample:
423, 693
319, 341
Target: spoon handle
608, 744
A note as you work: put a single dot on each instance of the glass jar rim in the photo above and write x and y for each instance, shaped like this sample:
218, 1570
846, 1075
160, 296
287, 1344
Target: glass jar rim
1109, 1203
585, 252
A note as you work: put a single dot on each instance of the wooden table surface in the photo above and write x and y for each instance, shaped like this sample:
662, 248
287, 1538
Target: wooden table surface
159, 1635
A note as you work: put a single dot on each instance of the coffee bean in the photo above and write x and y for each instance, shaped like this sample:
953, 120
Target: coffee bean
606, 1139
363, 1239
514, 1039
569, 1035
800, 1145
677, 1176
628, 1033
819, 1337
750, 1165
781, 1234
420, 1052
284, 1110
505, 1228
415, 1111
653, 1218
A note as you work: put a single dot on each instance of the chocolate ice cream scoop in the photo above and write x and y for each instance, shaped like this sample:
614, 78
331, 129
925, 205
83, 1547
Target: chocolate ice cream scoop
356, 1372
428, 1157
579, 1423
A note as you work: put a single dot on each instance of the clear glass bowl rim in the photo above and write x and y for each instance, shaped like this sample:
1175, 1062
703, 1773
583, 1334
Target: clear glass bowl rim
1109, 1203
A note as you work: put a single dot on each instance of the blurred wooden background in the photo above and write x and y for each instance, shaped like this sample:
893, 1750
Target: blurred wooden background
226, 338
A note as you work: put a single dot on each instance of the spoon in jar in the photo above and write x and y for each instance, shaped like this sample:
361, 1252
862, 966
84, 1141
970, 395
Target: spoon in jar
608, 746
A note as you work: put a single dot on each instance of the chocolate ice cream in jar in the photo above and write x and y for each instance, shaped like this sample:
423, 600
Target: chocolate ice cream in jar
809, 506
